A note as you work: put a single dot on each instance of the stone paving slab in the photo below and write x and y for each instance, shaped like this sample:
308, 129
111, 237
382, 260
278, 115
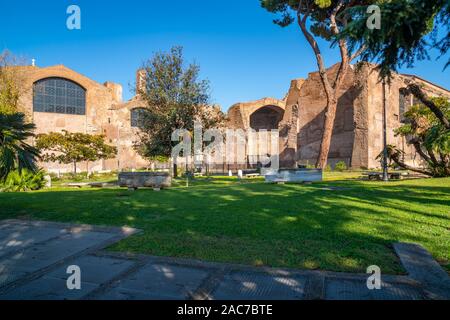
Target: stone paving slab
47, 288
158, 281
46, 245
41, 255
34, 257
95, 269
257, 286
19, 237
53, 286
422, 267
339, 289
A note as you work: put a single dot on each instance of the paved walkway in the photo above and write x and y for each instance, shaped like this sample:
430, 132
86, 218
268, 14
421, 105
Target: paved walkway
34, 257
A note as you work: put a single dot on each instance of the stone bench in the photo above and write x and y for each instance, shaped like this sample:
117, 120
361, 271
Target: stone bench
391, 175
294, 175
136, 180
90, 184
252, 175
76, 184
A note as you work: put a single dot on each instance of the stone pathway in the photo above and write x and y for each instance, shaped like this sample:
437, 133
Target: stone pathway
34, 257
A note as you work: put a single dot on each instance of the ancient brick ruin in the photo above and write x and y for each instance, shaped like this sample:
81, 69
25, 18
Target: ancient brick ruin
357, 136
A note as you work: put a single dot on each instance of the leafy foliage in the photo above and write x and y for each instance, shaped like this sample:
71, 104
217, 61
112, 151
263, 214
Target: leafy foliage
67, 147
319, 12
10, 79
429, 136
409, 28
15, 152
175, 98
24, 180
340, 166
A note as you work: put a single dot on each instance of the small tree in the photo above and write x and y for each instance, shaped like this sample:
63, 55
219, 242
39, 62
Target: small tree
429, 137
15, 152
10, 83
67, 147
175, 98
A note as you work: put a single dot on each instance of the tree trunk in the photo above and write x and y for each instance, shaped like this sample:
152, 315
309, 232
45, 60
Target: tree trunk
330, 111
175, 170
330, 116
75, 167
331, 91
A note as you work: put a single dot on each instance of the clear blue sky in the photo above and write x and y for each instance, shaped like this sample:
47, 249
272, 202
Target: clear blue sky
240, 50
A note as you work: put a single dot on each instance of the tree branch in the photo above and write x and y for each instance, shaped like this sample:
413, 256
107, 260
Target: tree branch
403, 165
342, 47
416, 144
358, 53
419, 94
314, 45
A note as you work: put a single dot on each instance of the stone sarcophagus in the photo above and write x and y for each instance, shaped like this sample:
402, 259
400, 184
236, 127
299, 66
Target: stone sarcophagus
135, 180
294, 175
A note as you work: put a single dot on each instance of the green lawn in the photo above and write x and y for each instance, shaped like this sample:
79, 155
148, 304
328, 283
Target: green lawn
298, 226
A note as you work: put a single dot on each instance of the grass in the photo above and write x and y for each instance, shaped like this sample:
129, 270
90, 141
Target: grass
82, 177
347, 228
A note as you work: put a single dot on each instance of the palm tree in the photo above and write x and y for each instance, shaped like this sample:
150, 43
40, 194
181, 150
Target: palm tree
15, 152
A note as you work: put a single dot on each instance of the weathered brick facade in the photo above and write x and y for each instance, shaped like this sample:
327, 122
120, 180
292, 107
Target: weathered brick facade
106, 114
357, 136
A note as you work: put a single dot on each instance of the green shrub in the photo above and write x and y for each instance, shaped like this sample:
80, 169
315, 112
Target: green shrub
340, 166
24, 180
310, 166
75, 177
327, 168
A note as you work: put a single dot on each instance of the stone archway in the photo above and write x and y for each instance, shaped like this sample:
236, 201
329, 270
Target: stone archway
266, 118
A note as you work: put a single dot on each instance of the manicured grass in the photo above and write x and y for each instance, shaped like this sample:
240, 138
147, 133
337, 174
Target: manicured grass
82, 177
298, 226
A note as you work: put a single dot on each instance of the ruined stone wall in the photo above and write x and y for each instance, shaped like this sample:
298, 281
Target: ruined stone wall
358, 131
240, 113
312, 102
289, 126
105, 114
375, 115
123, 135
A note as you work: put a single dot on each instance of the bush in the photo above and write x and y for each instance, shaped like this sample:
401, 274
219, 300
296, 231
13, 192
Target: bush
54, 177
24, 180
327, 168
76, 177
340, 166
310, 166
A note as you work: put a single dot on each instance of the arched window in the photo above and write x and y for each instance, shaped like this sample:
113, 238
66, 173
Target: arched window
137, 117
58, 95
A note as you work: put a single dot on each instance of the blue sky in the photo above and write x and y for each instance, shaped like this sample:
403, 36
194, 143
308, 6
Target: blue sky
239, 49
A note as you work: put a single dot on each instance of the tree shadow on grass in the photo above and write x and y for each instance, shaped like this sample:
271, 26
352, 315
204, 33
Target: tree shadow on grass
260, 224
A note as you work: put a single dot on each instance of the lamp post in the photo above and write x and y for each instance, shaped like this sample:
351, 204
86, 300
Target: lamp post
385, 150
